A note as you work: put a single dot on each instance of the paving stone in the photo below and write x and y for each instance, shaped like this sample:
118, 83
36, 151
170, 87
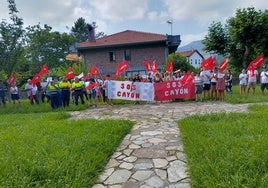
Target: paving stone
161, 173
155, 182
177, 171
130, 159
150, 153
126, 165
141, 175
160, 163
118, 176
106, 174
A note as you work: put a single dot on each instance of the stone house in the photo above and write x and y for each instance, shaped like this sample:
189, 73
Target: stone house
133, 46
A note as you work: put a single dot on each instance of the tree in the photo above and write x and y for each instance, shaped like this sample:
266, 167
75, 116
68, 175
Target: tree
217, 39
46, 47
179, 62
243, 37
11, 40
80, 30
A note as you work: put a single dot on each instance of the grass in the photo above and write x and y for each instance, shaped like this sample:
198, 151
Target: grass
47, 150
227, 150
235, 97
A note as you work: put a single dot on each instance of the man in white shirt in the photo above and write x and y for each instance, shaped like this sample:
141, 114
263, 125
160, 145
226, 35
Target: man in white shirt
264, 79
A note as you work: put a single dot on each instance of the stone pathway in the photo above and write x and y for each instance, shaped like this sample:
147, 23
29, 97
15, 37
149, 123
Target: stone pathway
151, 155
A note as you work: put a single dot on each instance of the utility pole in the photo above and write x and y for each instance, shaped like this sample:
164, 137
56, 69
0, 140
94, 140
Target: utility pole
170, 22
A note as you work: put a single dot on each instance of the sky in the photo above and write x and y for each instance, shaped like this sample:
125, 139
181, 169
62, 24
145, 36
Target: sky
190, 19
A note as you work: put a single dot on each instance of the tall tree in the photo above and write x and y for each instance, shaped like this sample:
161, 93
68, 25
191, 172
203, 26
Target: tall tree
80, 30
11, 40
46, 47
243, 37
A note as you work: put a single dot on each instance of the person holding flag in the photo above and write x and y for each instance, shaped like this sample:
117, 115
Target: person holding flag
31, 92
252, 74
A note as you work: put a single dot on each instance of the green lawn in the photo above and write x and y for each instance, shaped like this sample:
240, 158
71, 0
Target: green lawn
227, 150
47, 150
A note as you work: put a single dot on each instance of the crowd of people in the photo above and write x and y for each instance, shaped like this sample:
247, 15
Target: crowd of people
209, 84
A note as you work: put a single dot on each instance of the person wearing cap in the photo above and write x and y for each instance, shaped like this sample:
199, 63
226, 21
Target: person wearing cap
264, 79
77, 87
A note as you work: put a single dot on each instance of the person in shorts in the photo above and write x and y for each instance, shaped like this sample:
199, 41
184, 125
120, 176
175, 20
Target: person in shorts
264, 79
14, 91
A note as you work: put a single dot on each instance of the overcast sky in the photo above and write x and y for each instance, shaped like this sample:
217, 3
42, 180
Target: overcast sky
190, 18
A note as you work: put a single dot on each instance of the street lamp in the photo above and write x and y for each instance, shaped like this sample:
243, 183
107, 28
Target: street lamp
170, 22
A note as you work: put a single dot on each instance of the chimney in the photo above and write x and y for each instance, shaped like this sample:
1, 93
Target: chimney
91, 32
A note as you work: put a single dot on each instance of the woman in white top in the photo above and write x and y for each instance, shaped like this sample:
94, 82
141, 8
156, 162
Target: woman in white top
243, 77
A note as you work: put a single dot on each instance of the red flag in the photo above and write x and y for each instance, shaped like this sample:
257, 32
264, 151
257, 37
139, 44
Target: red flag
147, 65
44, 70
36, 79
169, 67
208, 63
223, 65
123, 66
70, 73
91, 85
187, 78
257, 62
94, 70
154, 67
11, 80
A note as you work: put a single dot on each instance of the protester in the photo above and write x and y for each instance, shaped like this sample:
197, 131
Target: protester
229, 81
77, 87
3, 90
31, 92
243, 77
14, 91
157, 78
65, 87
198, 81
106, 83
205, 74
264, 79
213, 81
221, 85
252, 79
53, 90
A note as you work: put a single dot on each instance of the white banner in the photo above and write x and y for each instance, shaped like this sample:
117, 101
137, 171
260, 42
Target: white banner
126, 90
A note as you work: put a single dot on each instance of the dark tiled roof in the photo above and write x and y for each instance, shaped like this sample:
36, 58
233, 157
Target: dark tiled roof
124, 37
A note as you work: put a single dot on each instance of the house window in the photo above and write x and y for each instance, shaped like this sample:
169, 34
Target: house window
112, 56
195, 61
191, 61
127, 55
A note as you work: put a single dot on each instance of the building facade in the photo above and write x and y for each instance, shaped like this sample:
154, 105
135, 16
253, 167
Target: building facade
132, 46
194, 58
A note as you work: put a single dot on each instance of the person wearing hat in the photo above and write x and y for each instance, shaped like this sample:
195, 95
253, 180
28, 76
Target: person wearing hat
77, 87
264, 79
